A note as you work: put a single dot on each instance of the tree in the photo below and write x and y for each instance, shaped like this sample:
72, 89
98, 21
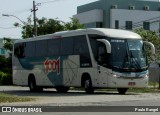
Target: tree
73, 25
8, 45
6, 63
150, 36
48, 26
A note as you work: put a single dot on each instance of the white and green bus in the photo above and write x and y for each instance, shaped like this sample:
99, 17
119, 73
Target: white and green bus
90, 58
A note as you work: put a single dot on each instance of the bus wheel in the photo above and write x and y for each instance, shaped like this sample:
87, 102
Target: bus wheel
62, 89
122, 90
32, 85
88, 86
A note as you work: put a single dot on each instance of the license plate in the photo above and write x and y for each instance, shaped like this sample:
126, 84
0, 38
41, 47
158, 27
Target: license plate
131, 83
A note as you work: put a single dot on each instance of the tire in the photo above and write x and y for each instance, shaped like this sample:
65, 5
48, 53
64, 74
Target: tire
88, 86
32, 85
122, 90
62, 89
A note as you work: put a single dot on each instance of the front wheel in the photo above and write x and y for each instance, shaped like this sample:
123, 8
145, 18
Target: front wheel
88, 86
122, 90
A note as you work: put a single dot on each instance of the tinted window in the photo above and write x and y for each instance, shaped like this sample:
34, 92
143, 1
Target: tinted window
41, 48
102, 54
67, 46
30, 49
81, 48
53, 47
19, 50
94, 46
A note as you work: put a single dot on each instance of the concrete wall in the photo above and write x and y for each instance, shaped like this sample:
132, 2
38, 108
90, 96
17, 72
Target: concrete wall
90, 16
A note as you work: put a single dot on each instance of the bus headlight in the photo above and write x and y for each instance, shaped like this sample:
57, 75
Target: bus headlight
146, 76
116, 76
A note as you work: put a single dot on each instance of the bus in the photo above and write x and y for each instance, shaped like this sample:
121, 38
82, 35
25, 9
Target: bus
89, 58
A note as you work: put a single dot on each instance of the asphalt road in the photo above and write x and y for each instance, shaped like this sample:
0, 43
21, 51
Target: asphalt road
77, 101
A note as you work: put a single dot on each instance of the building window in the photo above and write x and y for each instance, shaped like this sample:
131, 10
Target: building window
99, 25
146, 25
129, 25
116, 24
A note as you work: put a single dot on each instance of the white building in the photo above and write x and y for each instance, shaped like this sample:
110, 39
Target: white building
121, 14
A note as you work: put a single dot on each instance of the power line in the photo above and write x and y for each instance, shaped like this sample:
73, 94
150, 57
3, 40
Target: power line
49, 2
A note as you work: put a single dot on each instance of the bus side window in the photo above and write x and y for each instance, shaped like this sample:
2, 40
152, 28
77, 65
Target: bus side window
81, 48
41, 48
94, 46
67, 46
30, 49
19, 50
54, 47
102, 54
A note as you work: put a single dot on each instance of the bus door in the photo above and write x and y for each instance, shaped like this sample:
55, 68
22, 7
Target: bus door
102, 64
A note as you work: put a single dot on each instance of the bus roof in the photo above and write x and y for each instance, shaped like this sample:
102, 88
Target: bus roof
114, 33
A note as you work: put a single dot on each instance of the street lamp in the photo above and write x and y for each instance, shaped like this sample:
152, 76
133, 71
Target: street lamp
7, 15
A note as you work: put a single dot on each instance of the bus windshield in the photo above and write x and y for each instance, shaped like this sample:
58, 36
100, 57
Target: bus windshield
127, 55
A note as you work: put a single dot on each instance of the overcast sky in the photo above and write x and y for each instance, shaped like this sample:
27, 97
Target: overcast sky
61, 9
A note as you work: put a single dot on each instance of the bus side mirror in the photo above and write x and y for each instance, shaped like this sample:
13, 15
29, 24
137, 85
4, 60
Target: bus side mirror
107, 43
152, 49
151, 45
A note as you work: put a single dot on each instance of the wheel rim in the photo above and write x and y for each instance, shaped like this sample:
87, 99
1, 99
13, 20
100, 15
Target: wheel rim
31, 85
87, 82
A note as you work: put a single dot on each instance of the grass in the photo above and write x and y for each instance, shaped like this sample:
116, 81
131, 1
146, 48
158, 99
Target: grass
144, 90
6, 98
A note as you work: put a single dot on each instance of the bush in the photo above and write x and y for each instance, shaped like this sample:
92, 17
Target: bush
5, 79
7, 70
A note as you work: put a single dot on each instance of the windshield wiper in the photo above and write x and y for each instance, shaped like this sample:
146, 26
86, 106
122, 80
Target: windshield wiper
126, 59
130, 59
134, 60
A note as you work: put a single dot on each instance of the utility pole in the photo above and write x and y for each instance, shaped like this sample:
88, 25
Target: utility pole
34, 17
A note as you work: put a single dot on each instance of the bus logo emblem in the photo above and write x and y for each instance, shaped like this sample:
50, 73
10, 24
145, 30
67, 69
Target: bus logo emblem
52, 66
